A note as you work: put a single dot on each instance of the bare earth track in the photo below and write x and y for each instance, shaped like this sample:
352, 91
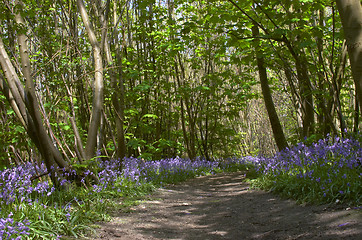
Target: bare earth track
222, 207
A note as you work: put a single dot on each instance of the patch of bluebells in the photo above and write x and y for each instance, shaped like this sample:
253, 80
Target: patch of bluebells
165, 170
171, 170
138, 170
18, 190
331, 168
337, 152
334, 153
16, 184
110, 172
237, 161
10, 229
17, 187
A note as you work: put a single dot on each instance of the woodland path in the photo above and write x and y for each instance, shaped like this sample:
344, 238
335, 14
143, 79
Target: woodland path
222, 207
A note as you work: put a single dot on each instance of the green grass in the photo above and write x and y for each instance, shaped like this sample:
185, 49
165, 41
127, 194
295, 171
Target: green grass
345, 187
73, 212
327, 172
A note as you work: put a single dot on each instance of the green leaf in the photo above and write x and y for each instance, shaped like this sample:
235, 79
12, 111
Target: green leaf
203, 88
10, 111
148, 115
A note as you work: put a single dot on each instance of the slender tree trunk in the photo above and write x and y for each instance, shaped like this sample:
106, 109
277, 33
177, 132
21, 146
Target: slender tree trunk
351, 16
183, 122
324, 121
356, 118
118, 95
25, 103
268, 100
307, 98
49, 152
97, 105
305, 88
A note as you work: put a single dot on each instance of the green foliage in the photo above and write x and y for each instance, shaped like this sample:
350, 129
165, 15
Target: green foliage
236, 167
13, 136
315, 173
200, 53
303, 190
90, 164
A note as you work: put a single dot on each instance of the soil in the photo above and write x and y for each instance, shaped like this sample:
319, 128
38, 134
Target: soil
223, 207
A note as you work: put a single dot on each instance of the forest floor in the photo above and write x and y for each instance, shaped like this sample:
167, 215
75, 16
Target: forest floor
223, 207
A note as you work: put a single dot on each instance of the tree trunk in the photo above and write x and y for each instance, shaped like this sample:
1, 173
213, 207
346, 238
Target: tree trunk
268, 100
356, 118
50, 153
25, 103
351, 16
97, 105
118, 96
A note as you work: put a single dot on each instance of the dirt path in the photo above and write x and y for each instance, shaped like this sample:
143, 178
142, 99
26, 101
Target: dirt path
222, 207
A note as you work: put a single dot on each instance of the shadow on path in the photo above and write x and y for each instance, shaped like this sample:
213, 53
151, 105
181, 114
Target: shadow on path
222, 207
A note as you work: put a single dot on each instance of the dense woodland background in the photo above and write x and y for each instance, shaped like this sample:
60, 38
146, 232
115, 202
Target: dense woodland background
157, 79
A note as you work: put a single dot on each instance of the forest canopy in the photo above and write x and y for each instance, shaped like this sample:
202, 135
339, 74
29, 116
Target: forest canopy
157, 79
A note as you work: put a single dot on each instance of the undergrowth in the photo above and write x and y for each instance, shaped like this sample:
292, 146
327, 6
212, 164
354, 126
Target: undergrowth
328, 171
34, 209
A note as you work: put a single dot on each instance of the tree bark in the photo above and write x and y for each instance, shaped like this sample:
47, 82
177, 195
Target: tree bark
97, 105
268, 100
350, 12
118, 96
